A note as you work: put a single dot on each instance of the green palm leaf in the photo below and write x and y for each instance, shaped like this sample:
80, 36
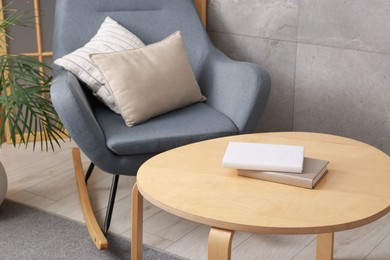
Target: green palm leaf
27, 108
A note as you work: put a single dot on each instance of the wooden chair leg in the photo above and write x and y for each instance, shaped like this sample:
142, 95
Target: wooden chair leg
93, 227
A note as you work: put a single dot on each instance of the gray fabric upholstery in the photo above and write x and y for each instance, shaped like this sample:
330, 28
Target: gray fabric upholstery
182, 126
237, 92
238, 89
76, 22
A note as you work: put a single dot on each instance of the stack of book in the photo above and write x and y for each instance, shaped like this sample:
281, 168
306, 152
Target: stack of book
273, 162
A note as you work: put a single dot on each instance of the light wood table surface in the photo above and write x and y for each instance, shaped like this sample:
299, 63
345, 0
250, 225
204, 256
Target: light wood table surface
190, 182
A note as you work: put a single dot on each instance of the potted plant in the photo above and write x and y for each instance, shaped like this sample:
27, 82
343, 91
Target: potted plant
25, 106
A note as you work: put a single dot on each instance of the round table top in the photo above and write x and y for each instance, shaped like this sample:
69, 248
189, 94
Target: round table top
190, 182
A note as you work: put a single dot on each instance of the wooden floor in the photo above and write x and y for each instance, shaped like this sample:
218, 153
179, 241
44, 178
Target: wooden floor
46, 181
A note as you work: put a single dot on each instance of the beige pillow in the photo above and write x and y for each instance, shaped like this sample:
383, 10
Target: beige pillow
151, 80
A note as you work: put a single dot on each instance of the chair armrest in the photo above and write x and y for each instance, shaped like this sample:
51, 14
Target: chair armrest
240, 90
77, 116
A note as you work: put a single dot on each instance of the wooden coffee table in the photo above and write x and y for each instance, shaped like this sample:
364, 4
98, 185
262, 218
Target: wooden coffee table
190, 182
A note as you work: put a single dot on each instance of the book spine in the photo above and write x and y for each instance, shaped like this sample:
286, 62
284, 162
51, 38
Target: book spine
263, 167
278, 177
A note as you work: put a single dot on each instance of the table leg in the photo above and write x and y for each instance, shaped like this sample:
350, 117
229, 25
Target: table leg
137, 223
325, 246
220, 244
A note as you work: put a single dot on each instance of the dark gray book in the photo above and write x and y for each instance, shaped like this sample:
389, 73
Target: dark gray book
313, 171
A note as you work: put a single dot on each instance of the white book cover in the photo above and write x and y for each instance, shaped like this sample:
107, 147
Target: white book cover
264, 157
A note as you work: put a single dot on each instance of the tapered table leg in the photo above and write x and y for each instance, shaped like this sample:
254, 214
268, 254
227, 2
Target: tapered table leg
220, 244
325, 246
137, 223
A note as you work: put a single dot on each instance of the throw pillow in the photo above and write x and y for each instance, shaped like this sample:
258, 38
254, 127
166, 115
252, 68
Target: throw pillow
110, 37
151, 80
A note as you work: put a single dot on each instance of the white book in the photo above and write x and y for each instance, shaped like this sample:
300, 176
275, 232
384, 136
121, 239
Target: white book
264, 157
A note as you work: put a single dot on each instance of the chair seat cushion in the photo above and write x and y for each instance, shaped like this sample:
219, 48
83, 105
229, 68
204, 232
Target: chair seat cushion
179, 127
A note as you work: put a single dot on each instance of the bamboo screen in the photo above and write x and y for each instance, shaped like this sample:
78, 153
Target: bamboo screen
39, 53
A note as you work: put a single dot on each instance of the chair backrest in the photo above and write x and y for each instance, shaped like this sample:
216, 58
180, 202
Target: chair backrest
151, 20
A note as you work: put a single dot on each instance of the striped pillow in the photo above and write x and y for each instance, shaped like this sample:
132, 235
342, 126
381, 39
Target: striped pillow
110, 37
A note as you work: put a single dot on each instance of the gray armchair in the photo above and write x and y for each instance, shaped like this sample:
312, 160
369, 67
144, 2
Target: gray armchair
236, 92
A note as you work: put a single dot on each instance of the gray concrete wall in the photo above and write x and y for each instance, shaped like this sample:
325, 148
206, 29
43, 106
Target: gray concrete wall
24, 37
329, 61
